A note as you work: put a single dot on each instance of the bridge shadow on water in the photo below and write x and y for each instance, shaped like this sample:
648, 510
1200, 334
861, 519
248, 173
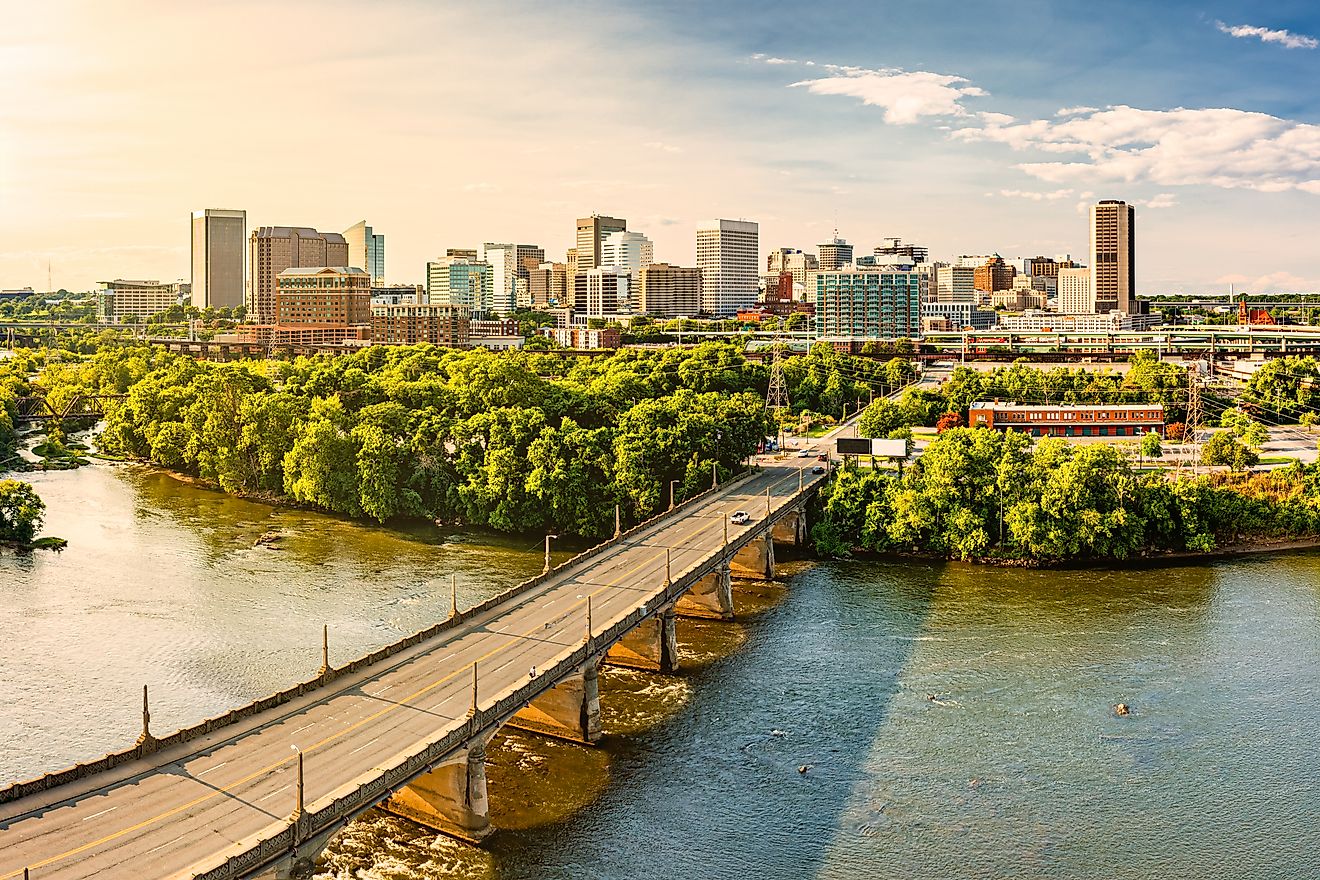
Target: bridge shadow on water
716, 790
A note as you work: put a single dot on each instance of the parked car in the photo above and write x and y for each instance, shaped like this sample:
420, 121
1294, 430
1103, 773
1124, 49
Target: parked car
740, 518
818, 469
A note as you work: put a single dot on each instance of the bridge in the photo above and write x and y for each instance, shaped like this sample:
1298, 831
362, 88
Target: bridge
259, 791
38, 408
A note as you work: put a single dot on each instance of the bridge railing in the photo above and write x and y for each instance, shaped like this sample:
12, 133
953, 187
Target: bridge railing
208, 726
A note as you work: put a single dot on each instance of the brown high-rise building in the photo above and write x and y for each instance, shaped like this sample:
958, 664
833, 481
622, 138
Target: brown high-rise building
994, 275
667, 291
548, 285
272, 249
591, 231
1113, 255
1045, 267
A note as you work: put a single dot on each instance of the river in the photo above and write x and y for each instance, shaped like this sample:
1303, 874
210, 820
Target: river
955, 722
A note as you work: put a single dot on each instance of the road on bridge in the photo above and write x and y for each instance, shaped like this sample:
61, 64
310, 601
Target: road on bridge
176, 812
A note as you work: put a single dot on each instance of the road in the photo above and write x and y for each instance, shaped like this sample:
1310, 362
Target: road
170, 814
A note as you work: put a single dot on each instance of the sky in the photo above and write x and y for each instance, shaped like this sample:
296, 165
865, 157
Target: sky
967, 127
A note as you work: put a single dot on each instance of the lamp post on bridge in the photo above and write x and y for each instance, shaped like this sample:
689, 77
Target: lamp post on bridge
325, 649
547, 553
473, 710
671, 493
298, 789
453, 596
669, 581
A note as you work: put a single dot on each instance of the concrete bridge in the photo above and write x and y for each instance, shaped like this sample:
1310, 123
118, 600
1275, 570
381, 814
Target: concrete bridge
259, 791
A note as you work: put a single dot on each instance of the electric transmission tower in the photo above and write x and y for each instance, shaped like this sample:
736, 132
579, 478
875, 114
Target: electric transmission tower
776, 396
1194, 414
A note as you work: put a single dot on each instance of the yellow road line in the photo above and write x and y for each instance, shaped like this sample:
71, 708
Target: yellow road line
390, 708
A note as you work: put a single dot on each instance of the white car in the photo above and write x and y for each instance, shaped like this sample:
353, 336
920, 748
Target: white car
740, 518
806, 453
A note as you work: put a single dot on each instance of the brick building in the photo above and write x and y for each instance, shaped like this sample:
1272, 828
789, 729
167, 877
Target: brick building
1068, 419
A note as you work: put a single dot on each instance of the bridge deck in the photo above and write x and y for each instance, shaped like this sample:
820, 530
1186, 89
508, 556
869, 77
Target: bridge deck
178, 811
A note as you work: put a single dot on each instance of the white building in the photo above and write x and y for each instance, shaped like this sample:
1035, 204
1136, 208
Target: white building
1055, 323
628, 250
604, 291
955, 284
728, 256
1076, 295
503, 260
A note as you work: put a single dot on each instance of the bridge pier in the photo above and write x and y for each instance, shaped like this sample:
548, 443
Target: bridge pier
569, 710
791, 528
651, 645
452, 797
757, 559
710, 597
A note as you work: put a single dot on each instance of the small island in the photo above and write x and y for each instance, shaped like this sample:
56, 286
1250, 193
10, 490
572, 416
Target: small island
21, 514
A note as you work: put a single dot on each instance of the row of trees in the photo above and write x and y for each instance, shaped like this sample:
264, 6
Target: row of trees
978, 493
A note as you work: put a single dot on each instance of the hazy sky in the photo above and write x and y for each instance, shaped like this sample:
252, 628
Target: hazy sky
969, 127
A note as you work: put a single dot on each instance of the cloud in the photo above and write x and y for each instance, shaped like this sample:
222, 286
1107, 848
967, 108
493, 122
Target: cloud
1035, 196
1287, 39
662, 146
1163, 200
1233, 149
906, 96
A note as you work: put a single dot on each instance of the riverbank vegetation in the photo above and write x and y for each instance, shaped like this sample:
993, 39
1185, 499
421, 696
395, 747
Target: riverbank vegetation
514, 441
21, 514
979, 494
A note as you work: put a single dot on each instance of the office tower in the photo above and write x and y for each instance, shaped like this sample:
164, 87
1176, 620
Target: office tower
666, 291
591, 232
835, 253
510, 266
867, 302
272, 249
605, 290
894, 247
217, 258
458, 281
1048, 267
629, 250
461, 253
994, 275
1076, 295
548, 285
1113, 255
366, 250
727, 255
955, 284
789, 260
119, 299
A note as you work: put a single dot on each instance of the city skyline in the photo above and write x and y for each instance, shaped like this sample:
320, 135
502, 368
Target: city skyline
988, 135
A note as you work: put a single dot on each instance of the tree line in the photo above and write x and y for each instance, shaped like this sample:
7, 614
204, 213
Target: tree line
976, 493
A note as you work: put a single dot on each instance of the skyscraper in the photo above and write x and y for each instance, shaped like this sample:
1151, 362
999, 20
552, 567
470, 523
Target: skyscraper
591, 231
1113, 255
458, 281
217, 258
835, 254
1076, 296
666, 291
272, 249
628, 250
728, 256
366, 251
511, 266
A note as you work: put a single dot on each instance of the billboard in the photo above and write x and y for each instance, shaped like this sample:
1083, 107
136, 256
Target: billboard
879, 447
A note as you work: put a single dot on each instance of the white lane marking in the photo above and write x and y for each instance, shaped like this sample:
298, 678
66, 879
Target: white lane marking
102, 813
363, 746
272, 794
216, 767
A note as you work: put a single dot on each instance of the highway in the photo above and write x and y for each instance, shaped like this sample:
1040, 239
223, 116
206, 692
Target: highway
174, 813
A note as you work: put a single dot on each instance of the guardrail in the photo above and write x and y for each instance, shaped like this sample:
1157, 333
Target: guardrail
111, 760
358, 796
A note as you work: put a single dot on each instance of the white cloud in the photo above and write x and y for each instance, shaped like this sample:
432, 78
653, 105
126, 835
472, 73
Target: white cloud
663, 147
1035, 196
1234, 149
906, 96
1163, 200
1287, 39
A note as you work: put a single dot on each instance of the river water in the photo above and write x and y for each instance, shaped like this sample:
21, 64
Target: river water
954, 721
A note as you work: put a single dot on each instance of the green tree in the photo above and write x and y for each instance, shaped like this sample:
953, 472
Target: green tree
1224, 449
21, 512
1151, 446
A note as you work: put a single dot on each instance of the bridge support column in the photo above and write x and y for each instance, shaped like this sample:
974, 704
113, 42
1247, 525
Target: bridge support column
451, 798
710, 597
569, 710
756, 560
792, 528
651, 645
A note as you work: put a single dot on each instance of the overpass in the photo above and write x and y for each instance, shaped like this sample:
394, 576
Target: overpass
259, 791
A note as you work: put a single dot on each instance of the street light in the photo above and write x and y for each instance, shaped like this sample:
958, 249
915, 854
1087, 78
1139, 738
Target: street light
547, 553
671, 493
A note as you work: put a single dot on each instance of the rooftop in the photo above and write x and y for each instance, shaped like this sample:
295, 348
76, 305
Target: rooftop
1088, 407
